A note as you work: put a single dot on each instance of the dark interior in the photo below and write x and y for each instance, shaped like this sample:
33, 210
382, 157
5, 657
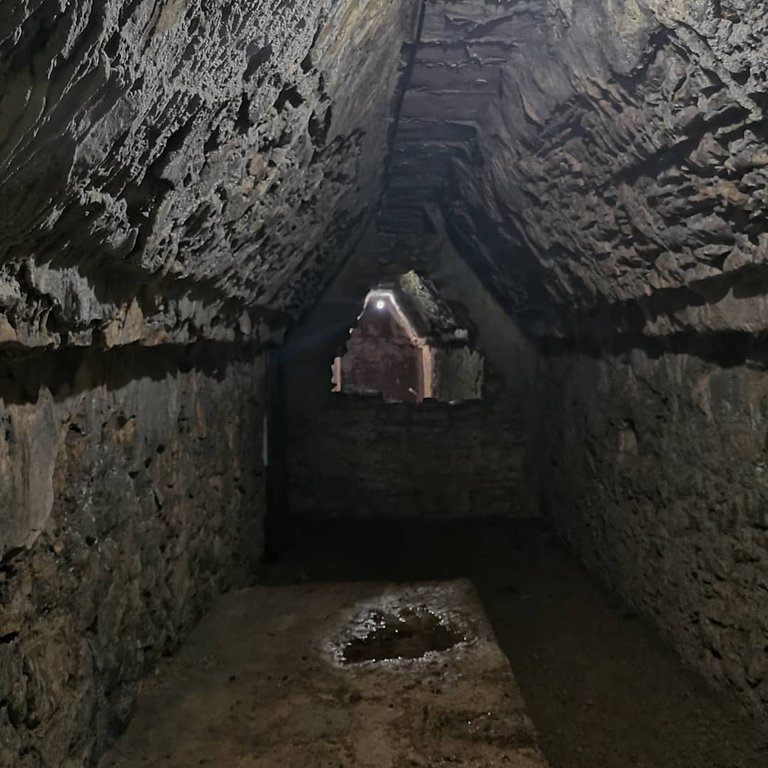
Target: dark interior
530, 238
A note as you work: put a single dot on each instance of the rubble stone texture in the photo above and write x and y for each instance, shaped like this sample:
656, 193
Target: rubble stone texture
126, 506
603, 162
655, 469
181, 180
178, 179
600, 166
363, 457
167, 164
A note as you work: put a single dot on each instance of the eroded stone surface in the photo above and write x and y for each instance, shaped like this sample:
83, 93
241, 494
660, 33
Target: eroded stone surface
603, 164
184, 176
174, 169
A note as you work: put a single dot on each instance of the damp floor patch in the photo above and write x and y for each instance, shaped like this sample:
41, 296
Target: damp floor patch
408, 633
335, 676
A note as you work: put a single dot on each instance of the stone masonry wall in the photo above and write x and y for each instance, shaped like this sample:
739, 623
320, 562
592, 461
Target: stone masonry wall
131, 492
360, 456
353, 455
655, 469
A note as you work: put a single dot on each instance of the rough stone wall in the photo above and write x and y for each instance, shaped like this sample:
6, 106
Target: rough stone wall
602, 167
178, 179
654, 467
179, 169
131, 492
362, 457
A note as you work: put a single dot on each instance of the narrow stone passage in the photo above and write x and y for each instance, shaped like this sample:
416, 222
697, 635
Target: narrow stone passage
283, 283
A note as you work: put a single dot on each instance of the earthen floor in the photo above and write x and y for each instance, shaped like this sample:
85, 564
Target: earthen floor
602, 687
361, 675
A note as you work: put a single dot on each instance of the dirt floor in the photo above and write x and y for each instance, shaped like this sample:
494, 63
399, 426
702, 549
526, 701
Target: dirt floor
361, 675
602, 688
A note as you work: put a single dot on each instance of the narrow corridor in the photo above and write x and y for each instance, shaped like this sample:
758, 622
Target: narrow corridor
299, 293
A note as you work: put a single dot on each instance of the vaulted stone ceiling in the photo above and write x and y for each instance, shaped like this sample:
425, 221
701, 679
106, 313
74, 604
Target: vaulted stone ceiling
603, 164
184, 169
181, 169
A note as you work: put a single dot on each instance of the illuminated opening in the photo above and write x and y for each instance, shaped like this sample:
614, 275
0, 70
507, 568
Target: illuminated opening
407, 347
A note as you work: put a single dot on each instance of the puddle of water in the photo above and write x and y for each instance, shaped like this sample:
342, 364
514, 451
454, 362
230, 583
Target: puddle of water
406, 634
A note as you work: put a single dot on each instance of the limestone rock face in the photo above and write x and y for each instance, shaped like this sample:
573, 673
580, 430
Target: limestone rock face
598, 161
178, 169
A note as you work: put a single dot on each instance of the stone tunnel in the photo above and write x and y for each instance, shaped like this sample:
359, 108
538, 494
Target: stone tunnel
405, 292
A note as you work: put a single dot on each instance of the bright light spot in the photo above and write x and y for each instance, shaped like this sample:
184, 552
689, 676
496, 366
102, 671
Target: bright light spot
380, 304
